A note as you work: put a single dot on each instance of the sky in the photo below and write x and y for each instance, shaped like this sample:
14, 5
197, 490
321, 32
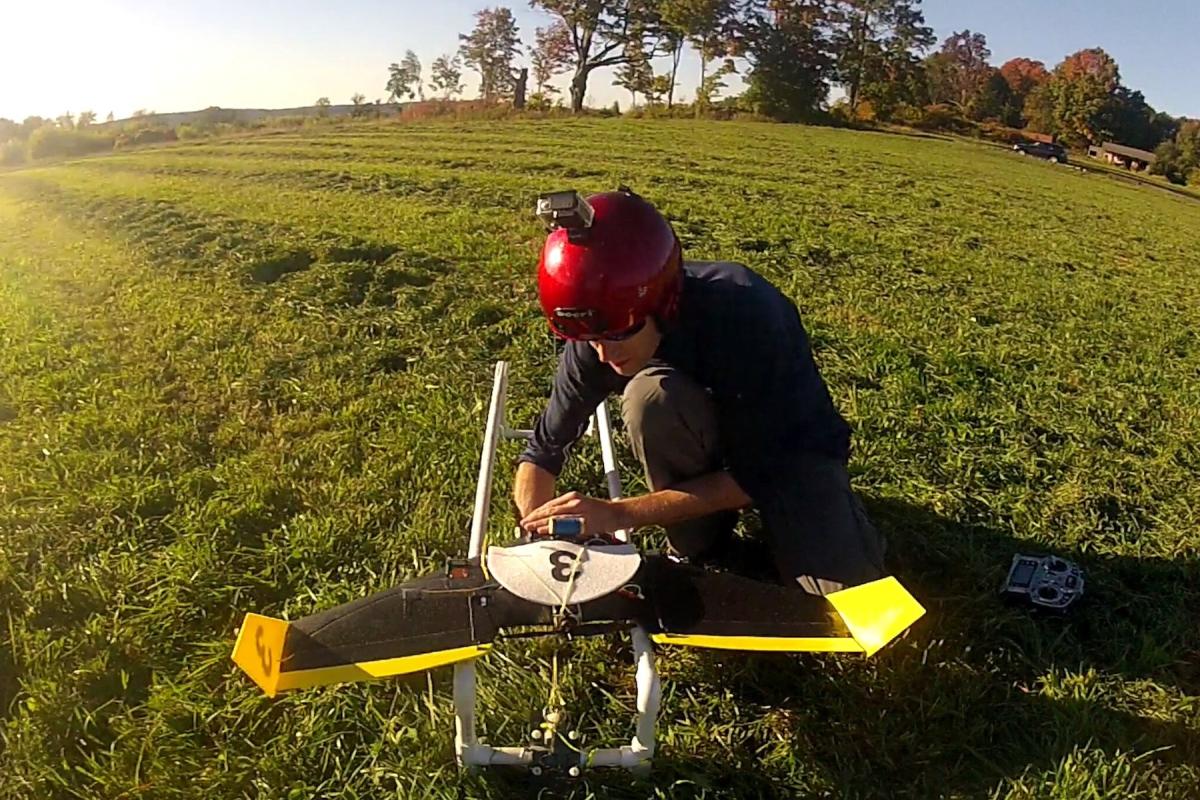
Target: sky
126, 55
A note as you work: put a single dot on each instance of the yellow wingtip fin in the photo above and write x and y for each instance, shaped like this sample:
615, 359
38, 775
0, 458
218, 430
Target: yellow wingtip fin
876, 612
259, 650
382, 668
762, 644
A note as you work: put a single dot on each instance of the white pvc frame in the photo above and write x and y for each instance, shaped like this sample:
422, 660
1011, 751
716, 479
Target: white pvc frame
468, 750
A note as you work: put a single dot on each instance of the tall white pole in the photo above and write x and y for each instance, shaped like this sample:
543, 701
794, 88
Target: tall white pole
611, 475
483, 489
464, 672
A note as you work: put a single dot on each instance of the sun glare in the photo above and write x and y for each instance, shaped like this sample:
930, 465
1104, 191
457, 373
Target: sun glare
78, 55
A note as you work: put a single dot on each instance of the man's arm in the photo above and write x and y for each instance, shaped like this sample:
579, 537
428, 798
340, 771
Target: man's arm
532, 487
697, 497
693, 498
580, 383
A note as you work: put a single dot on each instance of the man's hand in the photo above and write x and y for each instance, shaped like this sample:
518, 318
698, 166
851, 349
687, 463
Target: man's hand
599, 516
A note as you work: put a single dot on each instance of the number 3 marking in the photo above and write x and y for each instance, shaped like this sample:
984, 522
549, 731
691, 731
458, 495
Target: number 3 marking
563, 561
264, 653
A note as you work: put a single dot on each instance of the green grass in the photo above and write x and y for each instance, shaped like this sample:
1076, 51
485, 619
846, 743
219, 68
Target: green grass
252, 375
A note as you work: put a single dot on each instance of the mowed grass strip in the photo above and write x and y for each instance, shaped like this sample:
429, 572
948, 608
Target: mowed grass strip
230, 384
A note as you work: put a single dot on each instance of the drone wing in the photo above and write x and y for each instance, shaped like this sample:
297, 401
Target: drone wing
699, 608
418, 625
442, 619
421, 624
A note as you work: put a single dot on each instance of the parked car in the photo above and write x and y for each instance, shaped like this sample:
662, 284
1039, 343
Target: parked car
1053, 152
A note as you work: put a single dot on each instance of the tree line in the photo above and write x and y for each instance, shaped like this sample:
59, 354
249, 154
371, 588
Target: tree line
790, 53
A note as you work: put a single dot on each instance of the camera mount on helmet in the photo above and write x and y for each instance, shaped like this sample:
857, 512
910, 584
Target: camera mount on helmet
567, 210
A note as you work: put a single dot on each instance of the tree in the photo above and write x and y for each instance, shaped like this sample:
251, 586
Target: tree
66, 121
1178, 159
1038, 111
413, 65
519, 87
1084, 84
1127, 118
1077, 108
322, 105
404, 79
790, 63
31, 124
662, 86
670, 42
959, 75
1188, 139
994, 101
940, 78
446, 74
600, 31
490, 50
550, 56
899, 82
1093, 63
86, 118
1023, 74
966, 57
706, 24
109, 118
713, 83
1076, 104
357, 100
875, 41
1168, 163
1163, 126
636, 74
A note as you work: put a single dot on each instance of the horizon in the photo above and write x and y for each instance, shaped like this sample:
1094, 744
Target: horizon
148, 62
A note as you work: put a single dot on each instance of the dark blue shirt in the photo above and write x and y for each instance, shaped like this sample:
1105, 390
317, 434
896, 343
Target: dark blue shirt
740, 338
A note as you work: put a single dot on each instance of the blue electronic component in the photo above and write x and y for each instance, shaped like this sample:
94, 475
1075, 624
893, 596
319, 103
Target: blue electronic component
569, 527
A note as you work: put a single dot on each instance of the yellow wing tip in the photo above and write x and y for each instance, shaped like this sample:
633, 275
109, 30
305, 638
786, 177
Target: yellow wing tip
381, 668
876, 612
761, 644
259, 650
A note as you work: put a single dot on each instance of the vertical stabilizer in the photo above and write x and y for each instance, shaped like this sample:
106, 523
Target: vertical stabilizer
876, 612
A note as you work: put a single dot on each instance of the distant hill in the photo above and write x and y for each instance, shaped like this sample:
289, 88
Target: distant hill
214, 114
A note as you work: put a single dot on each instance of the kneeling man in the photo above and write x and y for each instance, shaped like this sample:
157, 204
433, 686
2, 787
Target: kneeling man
721, 399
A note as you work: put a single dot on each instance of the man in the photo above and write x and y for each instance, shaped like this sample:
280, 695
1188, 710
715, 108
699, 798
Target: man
721, 400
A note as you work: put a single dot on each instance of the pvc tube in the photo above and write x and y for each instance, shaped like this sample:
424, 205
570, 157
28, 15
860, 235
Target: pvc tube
649, 691
649, 687
481, 755
483, 489
464, 710
626, 757
611, 475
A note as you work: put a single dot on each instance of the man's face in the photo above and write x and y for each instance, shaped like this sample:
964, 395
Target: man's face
627, 356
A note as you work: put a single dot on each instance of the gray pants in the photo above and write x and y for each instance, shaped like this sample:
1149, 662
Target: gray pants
816, 533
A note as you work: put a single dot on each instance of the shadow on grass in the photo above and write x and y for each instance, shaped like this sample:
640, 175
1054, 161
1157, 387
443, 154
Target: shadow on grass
978, 691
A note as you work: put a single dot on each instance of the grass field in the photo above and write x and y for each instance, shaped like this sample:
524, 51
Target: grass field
252, 375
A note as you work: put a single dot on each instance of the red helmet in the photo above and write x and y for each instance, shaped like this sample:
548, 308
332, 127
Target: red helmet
604, 279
